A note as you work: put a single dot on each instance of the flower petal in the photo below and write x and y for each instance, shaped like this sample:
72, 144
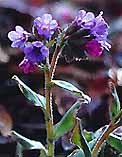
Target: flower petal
17, 44
19, 29
38, 21
37, 43
13, 35
44, 51
82, 13
47, 18
88, 17
28, 49
53, 24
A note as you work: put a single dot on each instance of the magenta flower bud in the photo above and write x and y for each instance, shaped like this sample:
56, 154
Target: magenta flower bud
93, 48
27, 66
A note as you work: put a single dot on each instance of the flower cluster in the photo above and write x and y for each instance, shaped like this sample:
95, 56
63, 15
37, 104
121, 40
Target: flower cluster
97, 27
35, 51
87, 36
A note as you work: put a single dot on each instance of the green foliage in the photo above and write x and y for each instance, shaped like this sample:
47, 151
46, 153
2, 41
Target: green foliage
50, 43
36, 99
68, 86
28, 144
116, 103
88, 135
68, 120
115, 141
96, 136
79, 139
76, 136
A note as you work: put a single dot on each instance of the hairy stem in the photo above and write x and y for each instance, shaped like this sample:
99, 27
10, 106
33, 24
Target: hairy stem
49, 115
104, 136
49, 73
54, 61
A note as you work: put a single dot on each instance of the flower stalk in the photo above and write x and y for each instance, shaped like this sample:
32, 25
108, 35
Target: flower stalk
54, 61
49, 118
104, 136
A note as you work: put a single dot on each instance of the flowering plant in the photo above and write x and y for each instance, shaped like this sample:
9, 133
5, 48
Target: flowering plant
86, 34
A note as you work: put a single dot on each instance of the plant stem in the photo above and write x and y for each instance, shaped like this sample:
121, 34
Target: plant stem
54, 61
49, 73
104, 136
118, 116
49, 115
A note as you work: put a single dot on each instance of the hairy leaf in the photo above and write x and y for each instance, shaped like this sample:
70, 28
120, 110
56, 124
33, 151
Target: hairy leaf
68, 86
29, 144
36, 99
67, 121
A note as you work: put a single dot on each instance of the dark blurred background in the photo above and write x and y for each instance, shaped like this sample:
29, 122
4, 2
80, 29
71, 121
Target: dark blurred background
91, 76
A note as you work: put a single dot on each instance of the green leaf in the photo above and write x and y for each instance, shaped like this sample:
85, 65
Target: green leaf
77, 153
92, 143
36, 99
79, 139
50, 43
88, 135
96, 137
76, 139
68, 86
60, 38
68, 120
116, 102
27, 143
115, 141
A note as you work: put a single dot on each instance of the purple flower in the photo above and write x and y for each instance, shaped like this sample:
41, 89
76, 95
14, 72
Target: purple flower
93, 48
45, 25
100, 31
96, 25
36, 51
84, 19
27, 66
18, 37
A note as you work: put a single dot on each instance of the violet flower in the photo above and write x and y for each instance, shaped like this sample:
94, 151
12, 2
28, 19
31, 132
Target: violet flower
93, 48
27, 66
18, 37
97, 26
100, 31
45, 25
84, 19
36, 52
